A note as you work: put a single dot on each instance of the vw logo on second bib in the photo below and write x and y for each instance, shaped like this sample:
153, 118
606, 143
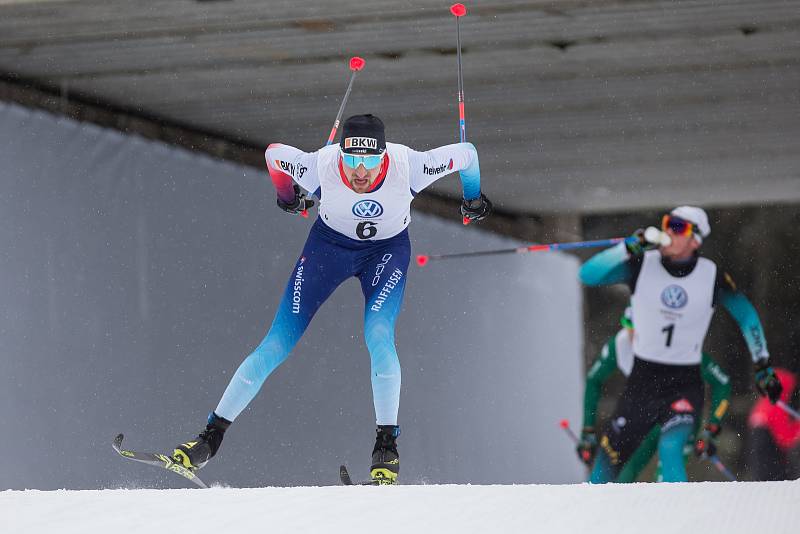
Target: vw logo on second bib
367, 209
674, 297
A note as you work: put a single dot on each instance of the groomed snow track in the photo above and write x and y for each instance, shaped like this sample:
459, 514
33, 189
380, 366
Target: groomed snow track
709, 507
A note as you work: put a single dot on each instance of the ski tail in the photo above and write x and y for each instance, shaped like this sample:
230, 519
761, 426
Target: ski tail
344, 477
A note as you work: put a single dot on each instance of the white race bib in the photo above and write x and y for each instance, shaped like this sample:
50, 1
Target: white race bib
671, 314
379, 214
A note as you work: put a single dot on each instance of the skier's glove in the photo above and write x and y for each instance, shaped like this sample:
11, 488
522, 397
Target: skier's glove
587, 445
476, 209
706, 444
299, 204
767, 382
640, 245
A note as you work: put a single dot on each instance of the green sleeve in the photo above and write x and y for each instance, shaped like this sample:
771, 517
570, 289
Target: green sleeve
603, 367
720, 384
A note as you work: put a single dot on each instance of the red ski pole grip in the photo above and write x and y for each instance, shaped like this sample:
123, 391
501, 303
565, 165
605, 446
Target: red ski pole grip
357, 63
458, 10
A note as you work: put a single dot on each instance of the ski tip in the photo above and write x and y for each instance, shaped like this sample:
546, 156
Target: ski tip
465, 220
564, 423
118, 441
422, 260
458, 10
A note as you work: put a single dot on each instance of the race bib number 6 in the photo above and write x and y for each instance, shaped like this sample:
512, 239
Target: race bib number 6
366, 229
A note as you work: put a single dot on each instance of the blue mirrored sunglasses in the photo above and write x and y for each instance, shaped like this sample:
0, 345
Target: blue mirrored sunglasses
369, 161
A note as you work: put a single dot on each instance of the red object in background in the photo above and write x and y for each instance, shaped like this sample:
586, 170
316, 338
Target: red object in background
782, 426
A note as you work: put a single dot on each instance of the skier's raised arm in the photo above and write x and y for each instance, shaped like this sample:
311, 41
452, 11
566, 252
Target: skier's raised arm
427, 167
289, 166
607, 267
619, 264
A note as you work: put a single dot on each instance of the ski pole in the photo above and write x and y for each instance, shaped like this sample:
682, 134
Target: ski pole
458, 10
564, 423
423, 259
585, 454
714, 459
356, 64
788, 409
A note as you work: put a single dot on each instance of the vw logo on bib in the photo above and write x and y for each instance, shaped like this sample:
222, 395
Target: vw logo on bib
674, 297
367, 209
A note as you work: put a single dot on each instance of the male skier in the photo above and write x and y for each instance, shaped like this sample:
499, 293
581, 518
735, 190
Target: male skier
365, 186
617, 355
674, 294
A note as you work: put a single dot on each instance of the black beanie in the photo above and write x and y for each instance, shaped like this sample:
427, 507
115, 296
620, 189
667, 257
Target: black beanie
363, 134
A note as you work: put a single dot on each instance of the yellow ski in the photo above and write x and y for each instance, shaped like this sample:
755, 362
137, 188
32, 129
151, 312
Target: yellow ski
158, 460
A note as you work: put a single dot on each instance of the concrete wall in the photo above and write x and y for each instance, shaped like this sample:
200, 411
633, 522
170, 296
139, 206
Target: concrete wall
134, 278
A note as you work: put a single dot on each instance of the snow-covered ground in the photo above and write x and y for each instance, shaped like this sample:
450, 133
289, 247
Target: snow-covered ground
704, 508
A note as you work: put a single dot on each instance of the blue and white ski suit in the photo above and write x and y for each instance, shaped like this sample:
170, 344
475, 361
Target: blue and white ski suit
361, 235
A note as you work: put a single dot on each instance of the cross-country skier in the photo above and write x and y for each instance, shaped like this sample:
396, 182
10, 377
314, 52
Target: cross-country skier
365, 186
674, 294
617, 355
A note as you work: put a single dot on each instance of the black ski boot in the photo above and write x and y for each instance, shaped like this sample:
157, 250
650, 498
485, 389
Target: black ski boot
195, 454
385, 460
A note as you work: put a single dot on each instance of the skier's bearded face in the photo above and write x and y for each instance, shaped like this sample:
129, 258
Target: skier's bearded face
361, 178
